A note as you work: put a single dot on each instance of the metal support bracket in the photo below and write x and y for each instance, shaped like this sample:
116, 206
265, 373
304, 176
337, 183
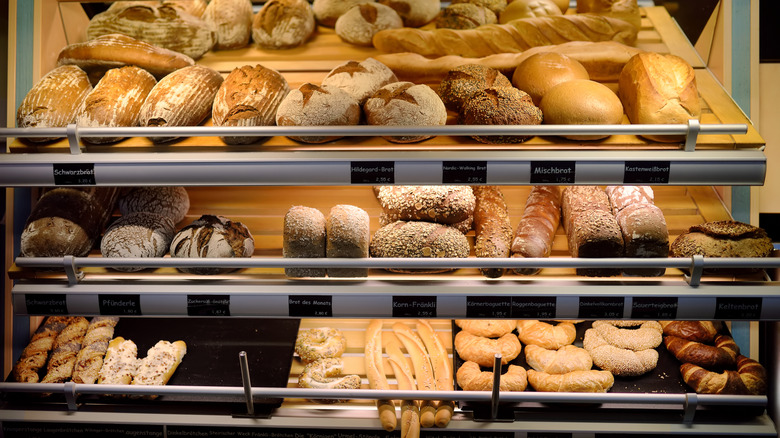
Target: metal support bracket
496, 412
70, 395
73, 139
74, 275
697, 270
689, 408
694, 127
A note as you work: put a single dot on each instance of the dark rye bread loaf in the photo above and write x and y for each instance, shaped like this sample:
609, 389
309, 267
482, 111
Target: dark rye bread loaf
170, 201
642, 223
591, 228
442, 204
139, 234
723, 239
500, 106
416, 240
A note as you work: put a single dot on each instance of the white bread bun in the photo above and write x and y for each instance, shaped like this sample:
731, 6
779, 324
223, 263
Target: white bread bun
581, 102
311, 105
404, 103
542, 71
360, 79
528, 9
327, 12
359, 24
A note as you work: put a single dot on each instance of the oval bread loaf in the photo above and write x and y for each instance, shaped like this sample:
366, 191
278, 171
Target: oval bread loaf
311, 105
359, 24
415, 13
283, 24
418, 239
405, 104
347, 230
232, 20
140, 234
304, 237
212, 236
327, 12
581, 102
170, 201
360, 79
443, 204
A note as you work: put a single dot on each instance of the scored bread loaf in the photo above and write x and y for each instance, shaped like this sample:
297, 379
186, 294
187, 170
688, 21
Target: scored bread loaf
212, 236
463, 81
405, 104
445, 204
312, 105
347, 230
493, 231
537, 227
140, 234
416, 240
360, 79
627, 10
304, 236
327, 12
359, 24
35, 354
232, 22
283, 24
63, 355
515, 36
528, 9
465, 16
500, 106
89, 359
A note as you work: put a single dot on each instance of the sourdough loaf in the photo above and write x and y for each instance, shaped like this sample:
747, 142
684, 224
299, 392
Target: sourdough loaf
347, 230
418, 239
283, 24
312, 105
359, 24
232, 21
304, 236
170, 201
327, 12
415, 13
444, 204
500, 106
140, 234
360, 79
212, 236
405, 104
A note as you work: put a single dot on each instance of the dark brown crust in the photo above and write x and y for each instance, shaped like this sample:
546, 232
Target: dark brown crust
493, 231
500, 106
418, 239
722, 355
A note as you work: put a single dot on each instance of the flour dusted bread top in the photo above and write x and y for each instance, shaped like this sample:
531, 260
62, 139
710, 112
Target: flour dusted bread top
360, 79
283, 24
209, 237
327, 12
359, 24
140, 234
170, 201
232, 20
405, 104
311, 105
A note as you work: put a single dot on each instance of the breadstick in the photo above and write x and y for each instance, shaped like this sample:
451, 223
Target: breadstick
493, 231
442, 370
402, 369
36, 353
90, 358
423, 371
375, 371
160, 363
536, 229
63, 355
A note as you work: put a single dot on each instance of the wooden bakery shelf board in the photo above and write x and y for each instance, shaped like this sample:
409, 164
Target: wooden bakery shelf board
311, 62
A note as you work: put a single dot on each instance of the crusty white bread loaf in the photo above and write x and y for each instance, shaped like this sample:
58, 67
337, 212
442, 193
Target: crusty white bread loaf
170, 201
659, 88
418, 239
312, 105
162, 25
54, 101
536, 230
581, 102
120, 362
304, 236
359, 24
405, 104
212, 236
36, 353
115, 101
348, 234
63, 355
446, 204
415, 13
160, 363
492, 228
183, 98
283, 24
621, 197
249, 96
140, 234
515, 36
89, 359
232, 20
116, 50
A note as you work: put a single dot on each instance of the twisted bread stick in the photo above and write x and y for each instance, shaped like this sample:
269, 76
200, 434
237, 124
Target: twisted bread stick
34, 356
90, 358
66, 347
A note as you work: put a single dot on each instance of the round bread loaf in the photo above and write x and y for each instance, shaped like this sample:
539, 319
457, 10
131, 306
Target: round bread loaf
311, 105
528, 9
65, 221
418, 239
359, 24
249, 96
327, 12
464, 80
723, 239
360, 79
415, 13
212, 236
283, 24
348, 236
542, 71
407, 104
464, 16
304, 236
170, 201
444, 204
581, 102
494, 5
500, 106
139, 234
232, 20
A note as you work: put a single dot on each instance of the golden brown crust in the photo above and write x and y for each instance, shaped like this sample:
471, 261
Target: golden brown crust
749, 379
36, 352
66, 347
483, 350
320, 343
575, 381
546, 335
472, 378
698, 331
561, 361
537, 227
492, 228
720, 356
89, 360
488, 328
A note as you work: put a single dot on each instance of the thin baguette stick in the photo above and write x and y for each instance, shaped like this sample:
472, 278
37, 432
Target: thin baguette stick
375, 371
442, 370
423, 371
402, 369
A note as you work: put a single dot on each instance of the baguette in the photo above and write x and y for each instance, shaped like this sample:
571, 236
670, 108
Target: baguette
536, 229
66, 347
402, 369
375, 370
160, 363
493, 231
442, 370
515, 36
120, 363
423, 370
89, 360
36, 353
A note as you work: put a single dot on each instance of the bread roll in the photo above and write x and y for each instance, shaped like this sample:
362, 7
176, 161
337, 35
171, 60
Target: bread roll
327, 12
500, 106
537, 227
283, 24
659, 88
723, 239
170, 201
418, 239
581, 102
311, 105
347, 230
445, 204
359, 24
117, 50
160, 363
407, 104
463, 81
415, 13
528, 9
465, 16
115, 101
542, 71
54, 101
482, 350
492, 228
232, 20
140, 234
304, 236
212, 236
249, 96
360, 79
183, 98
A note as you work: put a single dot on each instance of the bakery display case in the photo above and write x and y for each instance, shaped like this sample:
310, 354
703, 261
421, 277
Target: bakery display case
240, 375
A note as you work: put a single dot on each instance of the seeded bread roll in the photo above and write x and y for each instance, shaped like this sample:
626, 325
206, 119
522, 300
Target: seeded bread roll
500, 106
140, 234
463, 81
540, 72
415, 13
311, 105
249, 96
54, 101
170, 201
283, 24
443, 204
581, 102
348, 236
405, 103
418, 239
360, 79
359, 24
232, 20
304, 236
212, 236
465, 16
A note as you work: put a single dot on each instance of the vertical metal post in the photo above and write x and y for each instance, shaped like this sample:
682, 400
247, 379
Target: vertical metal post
250, 403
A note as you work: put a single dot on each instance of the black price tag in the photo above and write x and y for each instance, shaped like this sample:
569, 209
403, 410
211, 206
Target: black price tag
646, 172
405, 306
310, 305
738, 308
654, 308
45, 304
208, 305
372, 172
464, 172
553, 172
125, 304
601, 307
480, 306
74, 174
533, 307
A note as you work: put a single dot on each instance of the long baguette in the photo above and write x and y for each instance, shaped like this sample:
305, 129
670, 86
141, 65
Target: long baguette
423, 370
538, 224
442, 370
402, 369
375, 370
493, 231
515, 36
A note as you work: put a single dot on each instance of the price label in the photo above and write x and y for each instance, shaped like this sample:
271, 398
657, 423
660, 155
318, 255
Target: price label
646, 172
372, 172
405, 306
738, 308
124, 304
43, 429
654, 308
601, 307
464, 172
533, 307
553, 172
208, 305
318, 306
481, 306
45, 304
74, 174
